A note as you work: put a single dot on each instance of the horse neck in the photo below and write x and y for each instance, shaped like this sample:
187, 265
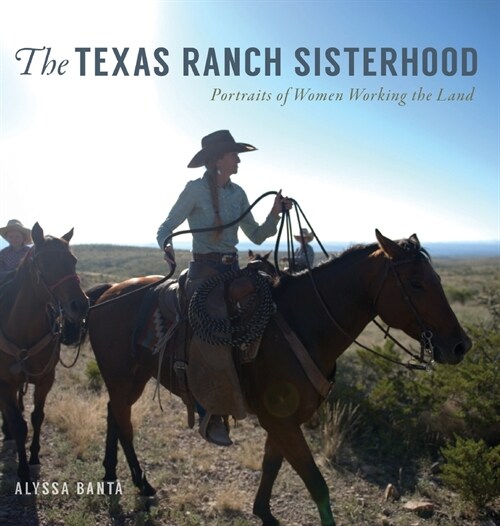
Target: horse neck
25, 320
348, 288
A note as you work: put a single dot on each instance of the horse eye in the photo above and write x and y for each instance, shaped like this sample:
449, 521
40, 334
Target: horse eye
417, 285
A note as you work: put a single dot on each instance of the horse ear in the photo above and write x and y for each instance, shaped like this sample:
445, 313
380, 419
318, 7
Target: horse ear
250, 253
37, 234
266, 257
390, 247
414, 239
67, 237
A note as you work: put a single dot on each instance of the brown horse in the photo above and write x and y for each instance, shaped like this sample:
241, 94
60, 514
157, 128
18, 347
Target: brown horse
394, 280
31, 305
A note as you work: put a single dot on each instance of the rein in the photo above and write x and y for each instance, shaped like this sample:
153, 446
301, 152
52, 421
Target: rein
286, 220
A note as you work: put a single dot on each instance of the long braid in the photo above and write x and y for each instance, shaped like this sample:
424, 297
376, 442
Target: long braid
214, 194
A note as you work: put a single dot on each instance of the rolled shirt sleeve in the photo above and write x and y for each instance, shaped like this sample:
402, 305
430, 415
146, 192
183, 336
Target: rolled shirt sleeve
255, 232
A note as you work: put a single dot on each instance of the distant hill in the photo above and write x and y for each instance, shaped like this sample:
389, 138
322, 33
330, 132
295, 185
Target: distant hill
462, 249
458, 249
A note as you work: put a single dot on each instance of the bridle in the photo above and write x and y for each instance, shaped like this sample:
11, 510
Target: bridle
33, 255
425, 336
54, 315
54, 308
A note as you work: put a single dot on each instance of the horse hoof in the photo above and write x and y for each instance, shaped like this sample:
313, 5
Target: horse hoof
146, 490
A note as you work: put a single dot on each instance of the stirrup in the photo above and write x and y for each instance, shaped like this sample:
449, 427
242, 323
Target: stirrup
214, 430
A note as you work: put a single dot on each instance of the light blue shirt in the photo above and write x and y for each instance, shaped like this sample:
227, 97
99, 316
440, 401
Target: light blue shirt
195, 205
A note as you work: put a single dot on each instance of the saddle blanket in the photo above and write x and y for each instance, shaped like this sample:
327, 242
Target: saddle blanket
153, 331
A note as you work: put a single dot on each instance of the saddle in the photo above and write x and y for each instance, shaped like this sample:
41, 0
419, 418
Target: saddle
198, 368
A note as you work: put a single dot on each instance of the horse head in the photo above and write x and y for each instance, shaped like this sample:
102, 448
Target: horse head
261, 263
410, 297
54, 265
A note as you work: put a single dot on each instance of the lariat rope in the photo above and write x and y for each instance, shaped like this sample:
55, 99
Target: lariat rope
286, 220
181, 232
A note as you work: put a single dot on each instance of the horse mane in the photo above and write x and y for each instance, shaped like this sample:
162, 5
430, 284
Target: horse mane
353, 253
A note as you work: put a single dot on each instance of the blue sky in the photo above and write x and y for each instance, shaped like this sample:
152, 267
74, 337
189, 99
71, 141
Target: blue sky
108, 155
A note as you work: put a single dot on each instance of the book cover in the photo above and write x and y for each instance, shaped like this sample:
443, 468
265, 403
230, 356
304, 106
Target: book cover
370, 114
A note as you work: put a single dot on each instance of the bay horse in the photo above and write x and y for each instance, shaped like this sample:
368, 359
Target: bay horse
392, 279
31, 305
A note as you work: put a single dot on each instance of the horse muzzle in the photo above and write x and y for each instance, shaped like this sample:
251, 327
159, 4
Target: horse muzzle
76, 310
453, 353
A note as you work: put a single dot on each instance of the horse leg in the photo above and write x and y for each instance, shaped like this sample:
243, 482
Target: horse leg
289, 439
120, 428
19, 430
271, 465
111, 451
121, 413
42, 389
7, 435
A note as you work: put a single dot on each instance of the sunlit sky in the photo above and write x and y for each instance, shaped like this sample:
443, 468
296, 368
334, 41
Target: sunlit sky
108, 155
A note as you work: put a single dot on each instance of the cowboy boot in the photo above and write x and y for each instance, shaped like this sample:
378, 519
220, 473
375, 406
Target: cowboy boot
213, 429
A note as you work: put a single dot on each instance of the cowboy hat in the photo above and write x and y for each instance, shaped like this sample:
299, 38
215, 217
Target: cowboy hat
305, 234
15, 224
215, 144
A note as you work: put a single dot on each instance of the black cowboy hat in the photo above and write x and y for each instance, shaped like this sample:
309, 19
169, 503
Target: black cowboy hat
215, 144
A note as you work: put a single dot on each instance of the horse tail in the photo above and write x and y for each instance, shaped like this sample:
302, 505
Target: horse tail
75, 333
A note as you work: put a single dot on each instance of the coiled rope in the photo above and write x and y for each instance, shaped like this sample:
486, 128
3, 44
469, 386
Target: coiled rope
231, 331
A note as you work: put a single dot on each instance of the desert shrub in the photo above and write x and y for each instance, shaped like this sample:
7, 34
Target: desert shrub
394, 401
413, 413
474, 385
93, 375
472, 469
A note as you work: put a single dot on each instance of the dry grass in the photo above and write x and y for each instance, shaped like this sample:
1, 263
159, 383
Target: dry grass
249, 455
342, 421
81, 419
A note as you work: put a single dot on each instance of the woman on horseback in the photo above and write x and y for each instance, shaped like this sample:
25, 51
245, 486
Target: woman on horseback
212, 201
